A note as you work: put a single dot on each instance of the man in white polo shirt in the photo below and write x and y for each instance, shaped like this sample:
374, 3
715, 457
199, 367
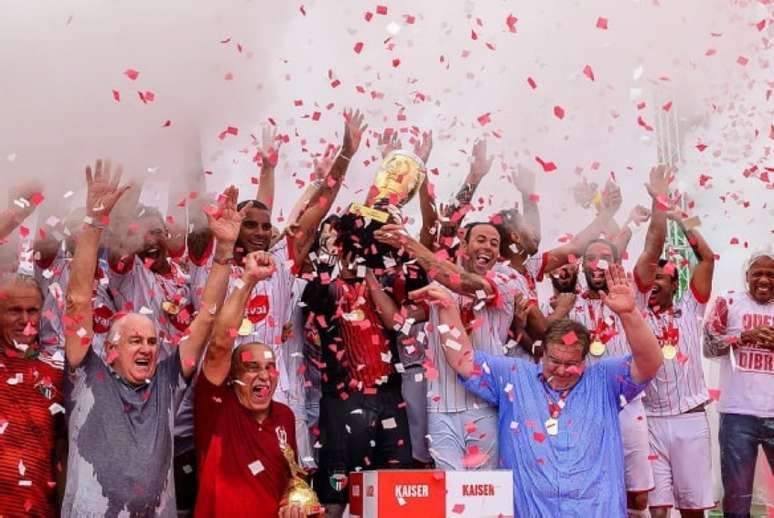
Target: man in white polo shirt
674, 401
740, 333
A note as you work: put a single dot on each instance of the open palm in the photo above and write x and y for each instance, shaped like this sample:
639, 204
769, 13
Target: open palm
225, 227
620, 294
102, 188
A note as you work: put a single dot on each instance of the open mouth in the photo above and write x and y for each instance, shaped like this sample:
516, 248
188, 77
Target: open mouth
483, 259
261, 391
142, 363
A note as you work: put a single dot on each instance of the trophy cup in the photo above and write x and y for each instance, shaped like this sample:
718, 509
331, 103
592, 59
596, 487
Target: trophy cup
397, 181
298, 492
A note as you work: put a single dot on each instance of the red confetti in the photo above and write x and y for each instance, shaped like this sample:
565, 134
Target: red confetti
667, 106
511, 22
538, 436
231, 130
602, 23
703, 179
358, 47
24, 231
641, 122
714, 394
531, 82
167, 123
368, 15
458, 508
381, 9
473, 35
131, 73
701, 147
570, 338
742, 60
484, 119
395, 62
117, 95
303, 11
761, 24
547, 166
588, 72
559, 112
36, 199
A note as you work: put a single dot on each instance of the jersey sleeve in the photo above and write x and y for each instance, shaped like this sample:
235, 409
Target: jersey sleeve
621, 386
491, 375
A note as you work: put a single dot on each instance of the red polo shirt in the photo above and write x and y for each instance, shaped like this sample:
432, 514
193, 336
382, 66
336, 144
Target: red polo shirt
242, 471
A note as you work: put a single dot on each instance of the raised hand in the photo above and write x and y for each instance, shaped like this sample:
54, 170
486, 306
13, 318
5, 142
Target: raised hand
584, 193
639, 215
659, 179
389, 142
102, 188
611, 197
270, 145
23, 199
432, 294
353, 132
259, 266
423, 147
524, 180
391, 234
482, 162
225, 221
620, 295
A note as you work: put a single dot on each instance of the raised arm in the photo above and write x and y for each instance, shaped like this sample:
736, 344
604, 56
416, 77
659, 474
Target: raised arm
524, 180
442, 270
647, 263
217, 360
123, 244
701, 278
102, 193
389, 312
22, 201
321, 203
269, 152
454, 341
646, 353
224, 225
427, 208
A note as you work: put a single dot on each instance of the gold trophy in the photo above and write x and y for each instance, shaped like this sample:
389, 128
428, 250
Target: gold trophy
299, 492
398, 179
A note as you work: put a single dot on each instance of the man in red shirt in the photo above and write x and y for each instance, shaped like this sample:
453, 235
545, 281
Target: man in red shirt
31, 411
240, 432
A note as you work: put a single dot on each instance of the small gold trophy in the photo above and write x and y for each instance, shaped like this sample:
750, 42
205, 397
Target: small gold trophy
396, 182
298, 492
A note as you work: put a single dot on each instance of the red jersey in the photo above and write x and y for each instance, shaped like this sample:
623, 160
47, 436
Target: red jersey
31, 419
242, 471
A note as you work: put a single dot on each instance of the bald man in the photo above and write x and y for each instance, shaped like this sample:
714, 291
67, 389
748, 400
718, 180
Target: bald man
241, 433
121, 410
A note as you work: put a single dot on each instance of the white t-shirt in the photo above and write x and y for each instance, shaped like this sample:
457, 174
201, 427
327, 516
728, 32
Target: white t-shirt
488, 324
747, 378
679, 384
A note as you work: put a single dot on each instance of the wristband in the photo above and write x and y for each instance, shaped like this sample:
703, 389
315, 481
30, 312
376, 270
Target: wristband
88, 220
224, 261
345, 157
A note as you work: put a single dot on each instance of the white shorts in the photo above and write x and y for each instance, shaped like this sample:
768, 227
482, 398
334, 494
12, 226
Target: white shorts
638, 473
682, 462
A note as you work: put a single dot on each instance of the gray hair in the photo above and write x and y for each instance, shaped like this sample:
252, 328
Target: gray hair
20, 279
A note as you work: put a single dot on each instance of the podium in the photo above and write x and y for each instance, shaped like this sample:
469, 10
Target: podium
431, 494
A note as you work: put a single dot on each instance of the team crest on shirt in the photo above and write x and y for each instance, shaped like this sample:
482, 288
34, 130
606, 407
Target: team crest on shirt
287, 332
338, 481
102, 317
258, 308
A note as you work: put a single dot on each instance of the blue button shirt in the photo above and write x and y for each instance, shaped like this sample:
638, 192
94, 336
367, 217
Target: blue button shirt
577, 472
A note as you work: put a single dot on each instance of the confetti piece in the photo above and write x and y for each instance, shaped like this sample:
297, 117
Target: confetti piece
531, 82
602, 23
741, 60
559, 112
358, 47
255, 467
117, 95
131, 73
510, 22
588, 72
381, 9
484, 119
538, 436
667, 106
547, 166
458, 508
396, 63
714, 394
570, 338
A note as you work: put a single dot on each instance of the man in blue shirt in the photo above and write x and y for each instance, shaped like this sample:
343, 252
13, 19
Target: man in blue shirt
558, 421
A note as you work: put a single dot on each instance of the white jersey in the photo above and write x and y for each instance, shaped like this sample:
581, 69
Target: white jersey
488, 323
746, 378
269, 307
679, 384
165, 299
603, 324
54, 305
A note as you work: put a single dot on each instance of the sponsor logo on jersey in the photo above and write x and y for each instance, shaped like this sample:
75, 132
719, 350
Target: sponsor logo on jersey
257, 308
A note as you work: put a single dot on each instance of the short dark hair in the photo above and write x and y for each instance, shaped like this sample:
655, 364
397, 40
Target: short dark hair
613, 248
664, 262
509, 221
470, 226
255, 203
558, 329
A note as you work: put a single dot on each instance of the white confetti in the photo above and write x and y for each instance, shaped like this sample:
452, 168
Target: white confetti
255, 467
389, 423
56, 408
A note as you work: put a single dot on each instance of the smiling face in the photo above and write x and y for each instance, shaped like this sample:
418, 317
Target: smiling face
132, 348
254, 376
760, 279
593, 269
664, 286
20, 304
565, 278
482, 249
255, 231
154, 243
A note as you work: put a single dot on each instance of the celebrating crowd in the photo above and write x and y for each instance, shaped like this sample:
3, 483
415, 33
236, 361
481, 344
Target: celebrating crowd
155, 368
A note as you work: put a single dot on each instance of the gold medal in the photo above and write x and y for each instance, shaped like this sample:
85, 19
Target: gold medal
170, 307
597, 348
355, 316
669, 351
552, 426
246, 328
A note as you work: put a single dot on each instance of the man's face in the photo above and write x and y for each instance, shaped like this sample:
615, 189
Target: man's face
255, 232
565, 278
154, 243
255, 377
563, 365
592, 269
482, 249
664, 286
19, 311
327, 248
133, 349
528, 238
760, 280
